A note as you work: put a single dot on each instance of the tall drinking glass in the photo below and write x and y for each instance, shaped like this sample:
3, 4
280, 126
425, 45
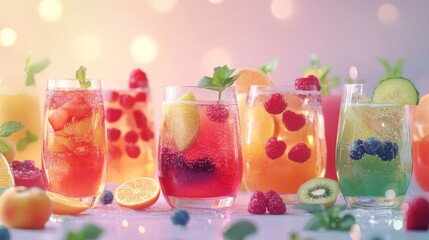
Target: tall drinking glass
284, 140
74, 140
199, 156
373, 155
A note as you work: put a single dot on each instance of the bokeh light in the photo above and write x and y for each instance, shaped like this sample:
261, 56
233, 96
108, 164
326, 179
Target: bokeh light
144, 49
355, 232
281, 9
124, 223
387, 14
390, 194
50, 10
142, 229
86, 47
398, 224
216, 57
163, 6
7, 37
215, 1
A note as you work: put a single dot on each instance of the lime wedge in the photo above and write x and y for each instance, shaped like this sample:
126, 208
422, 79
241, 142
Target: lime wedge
396, 90
183, 120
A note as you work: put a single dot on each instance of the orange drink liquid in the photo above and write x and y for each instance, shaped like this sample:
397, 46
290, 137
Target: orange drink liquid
283, 149
74, 144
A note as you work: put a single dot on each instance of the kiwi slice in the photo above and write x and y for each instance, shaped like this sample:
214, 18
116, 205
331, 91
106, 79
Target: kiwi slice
318, 191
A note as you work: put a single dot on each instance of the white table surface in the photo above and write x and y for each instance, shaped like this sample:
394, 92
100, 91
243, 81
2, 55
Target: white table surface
154, 223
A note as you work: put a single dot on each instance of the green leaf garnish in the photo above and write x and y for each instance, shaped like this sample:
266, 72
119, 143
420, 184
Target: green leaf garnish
6, 129
89, 231
3, 146
239, 230
81, 76
391, 72
270, 67
23, 142
329, 219
32, 68
322, 74
220, 80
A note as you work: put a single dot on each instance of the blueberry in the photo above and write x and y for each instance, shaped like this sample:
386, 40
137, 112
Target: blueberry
107, 197
4, 233
180, 217
388, 151
372, 146
356, 150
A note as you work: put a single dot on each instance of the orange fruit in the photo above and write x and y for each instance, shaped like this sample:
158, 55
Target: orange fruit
65, 206
421, 116
250, 76
138, 193
9, 155
6, 177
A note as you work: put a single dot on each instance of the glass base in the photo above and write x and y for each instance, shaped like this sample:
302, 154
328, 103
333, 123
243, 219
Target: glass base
374, 202
200, 203
90, 201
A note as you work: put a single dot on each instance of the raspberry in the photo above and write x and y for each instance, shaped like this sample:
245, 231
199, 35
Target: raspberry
257, 206
271, 193
140, 119
258, 194
275, 149
217, 113
141, 97
131, 137
106, 197
276, 206
133, 151
299, 153
138, 79
292, 121
111, 96
113, 115
126, 101
417, 215
307, 83
146, 134
275, 104
180, 217
113, 134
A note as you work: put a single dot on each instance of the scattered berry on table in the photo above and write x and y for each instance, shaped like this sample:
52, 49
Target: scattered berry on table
113, 115
217, 113
257, 206
106, 197
372, 146
356, 150
131, 137
4, 233
275, 103
258, 194
275, 149
292, 121
417, 216
113, 134
138, 79
127, 101
388, 151
271, 193
307, 83
276, 206
299, 153
180, 217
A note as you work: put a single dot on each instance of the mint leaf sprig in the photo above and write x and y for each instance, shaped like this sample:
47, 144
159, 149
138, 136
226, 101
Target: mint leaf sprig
81, 76
329, 219
89, 231
239, 230
270, 67
220, 80
31, 68
391, 71
6, 129
29, 138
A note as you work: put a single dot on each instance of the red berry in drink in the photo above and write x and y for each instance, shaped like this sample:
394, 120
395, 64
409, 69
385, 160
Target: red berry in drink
217, 113
113, 114
307, 83
140, 119
275, 149
111, 96
78, 107
141, 97
146, 134
299, 153
418, 214
275, 103
113, 134
58, 119
131, 137
133, 151
293, 121
138, 79
127, 101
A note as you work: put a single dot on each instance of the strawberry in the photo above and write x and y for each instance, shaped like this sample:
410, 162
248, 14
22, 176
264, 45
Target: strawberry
58, 119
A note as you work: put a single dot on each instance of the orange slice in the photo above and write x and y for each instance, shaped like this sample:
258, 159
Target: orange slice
6, 177
138, 193
63, 205
250, 76
421, 116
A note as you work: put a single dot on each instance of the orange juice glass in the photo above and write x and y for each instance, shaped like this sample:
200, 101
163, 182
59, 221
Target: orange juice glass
284, 140
74, 140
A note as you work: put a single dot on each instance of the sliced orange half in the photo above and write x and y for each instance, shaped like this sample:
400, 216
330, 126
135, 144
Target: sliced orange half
6, 177
63, 205
250, 76
138, 193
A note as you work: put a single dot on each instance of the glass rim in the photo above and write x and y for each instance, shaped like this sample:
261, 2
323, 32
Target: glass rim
281, 88
196, 86
72, 79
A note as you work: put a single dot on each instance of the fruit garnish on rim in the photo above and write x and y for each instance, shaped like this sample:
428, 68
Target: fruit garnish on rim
397, 90
81, 76
222, 78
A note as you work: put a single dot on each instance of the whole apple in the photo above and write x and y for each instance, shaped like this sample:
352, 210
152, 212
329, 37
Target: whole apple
22, 207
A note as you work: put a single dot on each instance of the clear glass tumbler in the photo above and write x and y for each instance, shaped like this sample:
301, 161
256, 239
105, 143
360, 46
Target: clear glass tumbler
74, 140
373, 156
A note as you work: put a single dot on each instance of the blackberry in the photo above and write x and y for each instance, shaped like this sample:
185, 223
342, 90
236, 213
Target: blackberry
372, 146
356, 150
180, 217
203, 165
388, 151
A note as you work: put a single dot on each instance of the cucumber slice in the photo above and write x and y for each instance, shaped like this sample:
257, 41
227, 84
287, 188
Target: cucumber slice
396, 90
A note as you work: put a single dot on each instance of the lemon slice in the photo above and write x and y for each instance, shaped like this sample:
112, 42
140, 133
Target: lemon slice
63, 205
138, 193
183, 120
6, 177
